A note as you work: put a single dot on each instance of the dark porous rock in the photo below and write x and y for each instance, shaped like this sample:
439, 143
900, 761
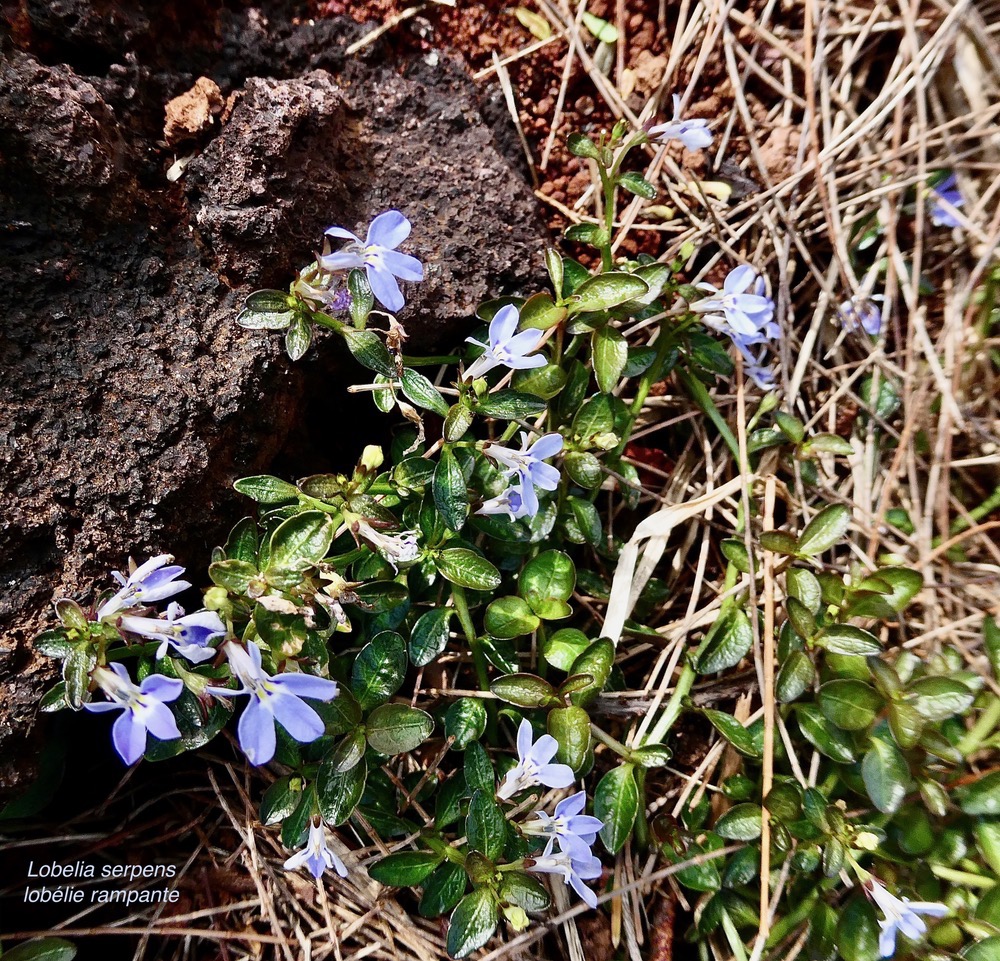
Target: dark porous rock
130, 400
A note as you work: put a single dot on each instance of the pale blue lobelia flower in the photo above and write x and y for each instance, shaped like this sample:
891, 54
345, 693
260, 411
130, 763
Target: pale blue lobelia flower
512, 502
188, 634
534, 765
863, 313
574, 871
694, 134
378, 257
152, 581
316, 855
572, 830
506, 347
397, 549
144, 708
272, 699
901, 916
735, 311
528, 465
944, 197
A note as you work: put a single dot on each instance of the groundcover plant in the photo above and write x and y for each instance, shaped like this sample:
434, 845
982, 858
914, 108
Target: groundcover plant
499, 544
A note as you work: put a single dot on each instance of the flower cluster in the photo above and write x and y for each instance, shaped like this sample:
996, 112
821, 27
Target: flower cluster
528, 467
745, 314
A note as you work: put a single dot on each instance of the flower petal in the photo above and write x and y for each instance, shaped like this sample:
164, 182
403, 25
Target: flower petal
342, 260
256, 732
129, 737
158, 720
307, 685
297, 717
503, 325
739, 279
388, 230
403, 266
385, 288
524, 739
556, 775
547, 446
524, 342
161, 687
342, 233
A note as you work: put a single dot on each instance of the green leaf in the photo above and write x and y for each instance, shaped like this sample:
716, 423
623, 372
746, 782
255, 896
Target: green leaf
54, 699
735, 551
510, 405
266, 489
467, 569
886, 775
991, 643
827, 444
905, 723
544, 382
803, 620
339, 791
53, 644
71, 615
822, 735
582, 146
636, 184
301, 541
396, 729
779, 542
473, 922
465, 721
443, 890
795, 677
524, 690
540, 313
429, 636
616, 803
522, 889
982, 796
509, 617
76, 672
554, 265
731, 638
597, 661
235, 576
41, 949
279, 800
451, 496
458, 421
734, 732
406, 869
858, 931
298, 337
850, 640
938, 698
850, 704
804, 587
586, 519
610, 353
602, 30
606, 291
423, 393
570, 726
563, 647
379, 670
368, 350
362, 298
486, 827
551, 576
824, 530
742, 822
478, 770
584, 469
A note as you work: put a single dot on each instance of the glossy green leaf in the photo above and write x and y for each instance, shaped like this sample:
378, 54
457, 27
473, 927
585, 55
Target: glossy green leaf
570, 726
636, 184
524, 690
609, 352
851, 705
886, 775
397, 729
339, 791
937, 698
485, 827
301, 541
443, 890
597, 661
510, 405
824, 736
465, 721
731, 639
406, 869
847, 639
742, 822
420, 391
606, 291
429, 636
616, 803
824, 530
795, 677
266, 489
379, 670
473, 922
468, 569
734, 732
368, 350
509, 617
451, 496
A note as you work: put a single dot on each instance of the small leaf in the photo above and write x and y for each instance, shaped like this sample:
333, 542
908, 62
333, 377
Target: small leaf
486, 827
730, 640
849, 640
606, 291
741, 822
597, 661
824, 530
616, 803
465, 721
570, 726
468, 569
266, 489
451, 496
602, 30
406, 869
423, 393
42, 949
850, 704
549, 576
510, 405
368, 350
823, 736
938, 698
540, 312
397, 729
379, 670
279, 800
610, 353
584, 469
795, 677
443, 890
429, 636
473, 922
982, 796
524, 690
301, 541
581, 146
362, 298
563, 647
886, 775
298, 337
636, 184
734, 732
76, 673
339, 791
509, 617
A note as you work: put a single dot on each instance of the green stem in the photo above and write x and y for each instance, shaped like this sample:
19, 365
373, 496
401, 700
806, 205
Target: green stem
610, 742
409, 361
981, 729
700, 395
965, 878
641, 824
478, 656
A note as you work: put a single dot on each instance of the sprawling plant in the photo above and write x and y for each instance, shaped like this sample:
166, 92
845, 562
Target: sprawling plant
427, 647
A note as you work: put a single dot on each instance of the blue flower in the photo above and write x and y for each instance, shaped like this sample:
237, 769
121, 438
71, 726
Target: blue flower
574, 871
861, 312
572, 831
152, 581
144, 708
734, 311
378, 256
694, 134
506, 348
901, 916
534, 765
527, 464
273, 699
946, 192
316, 855
188, 634
516, 502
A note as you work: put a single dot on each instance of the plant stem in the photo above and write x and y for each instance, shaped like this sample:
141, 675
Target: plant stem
478, 657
